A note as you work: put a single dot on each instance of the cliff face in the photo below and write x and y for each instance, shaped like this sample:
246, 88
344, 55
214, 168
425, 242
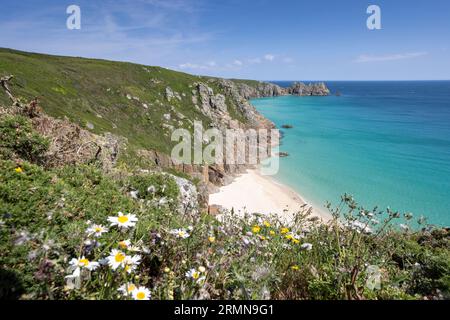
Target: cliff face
312, 89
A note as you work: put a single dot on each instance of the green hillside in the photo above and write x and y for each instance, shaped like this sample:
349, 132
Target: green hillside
125, 99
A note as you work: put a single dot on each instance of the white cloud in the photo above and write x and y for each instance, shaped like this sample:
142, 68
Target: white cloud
269, 57
238, 62
399, 56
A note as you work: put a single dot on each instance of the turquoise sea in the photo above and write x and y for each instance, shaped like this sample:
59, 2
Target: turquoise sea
385, 143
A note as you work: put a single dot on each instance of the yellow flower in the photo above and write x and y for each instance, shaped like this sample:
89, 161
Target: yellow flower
266, 224
212, 239
284, 230
295, 267
289, 236
296, 241
272, 233
18, 170
262, 238
256, 229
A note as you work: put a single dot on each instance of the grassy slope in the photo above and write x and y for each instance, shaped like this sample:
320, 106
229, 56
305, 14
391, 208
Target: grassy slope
95, 91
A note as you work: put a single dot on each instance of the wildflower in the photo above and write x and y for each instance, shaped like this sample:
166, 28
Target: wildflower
295, 267
307, 246
272, 233
166, 270
76, 265
404, 227
266, 224
134, 194
131, 263
134, 249
124, 244
141, 293
116, 259
123, 221
195, 274
84, 263
256, 229
127, 289
359, 227
18, 170
180, 233
212, 239
284, 230
96, 230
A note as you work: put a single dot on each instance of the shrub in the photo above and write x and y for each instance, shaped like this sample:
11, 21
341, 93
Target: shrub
18, 139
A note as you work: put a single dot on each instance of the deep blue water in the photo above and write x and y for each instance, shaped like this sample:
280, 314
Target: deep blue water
386, 143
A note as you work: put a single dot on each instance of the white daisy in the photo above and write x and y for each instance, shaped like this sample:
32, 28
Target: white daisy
180, 233
127, 289
96, 230
141, 293
116, 259
131, 263
123, 221
307, 246
193, 274
196, 275
84, 263
76, 265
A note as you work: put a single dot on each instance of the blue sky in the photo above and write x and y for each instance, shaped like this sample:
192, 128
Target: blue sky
255, 39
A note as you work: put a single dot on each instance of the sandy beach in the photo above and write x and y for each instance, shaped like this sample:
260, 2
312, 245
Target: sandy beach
253, 192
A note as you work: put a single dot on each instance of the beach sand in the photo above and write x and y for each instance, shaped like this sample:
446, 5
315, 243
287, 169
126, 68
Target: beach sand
252, 192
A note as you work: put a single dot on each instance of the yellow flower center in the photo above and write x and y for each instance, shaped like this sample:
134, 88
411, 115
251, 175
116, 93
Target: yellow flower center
212, 239
119, 257
98, 229
140, 295
123, 219
256, 229
181, 233
131, 288
195, 275
84, 262
123, 244
295, 267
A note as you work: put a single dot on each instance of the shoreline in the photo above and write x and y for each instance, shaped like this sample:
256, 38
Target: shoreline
254, 193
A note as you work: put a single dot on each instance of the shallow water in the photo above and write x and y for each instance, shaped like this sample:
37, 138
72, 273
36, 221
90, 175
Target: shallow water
385, 143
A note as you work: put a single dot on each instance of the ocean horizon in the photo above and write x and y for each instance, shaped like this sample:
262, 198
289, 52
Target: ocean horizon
387, 143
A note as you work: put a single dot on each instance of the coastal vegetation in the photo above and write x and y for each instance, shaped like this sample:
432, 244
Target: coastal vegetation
83, 216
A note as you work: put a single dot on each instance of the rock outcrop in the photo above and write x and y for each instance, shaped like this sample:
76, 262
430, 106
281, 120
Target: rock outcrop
312, 89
